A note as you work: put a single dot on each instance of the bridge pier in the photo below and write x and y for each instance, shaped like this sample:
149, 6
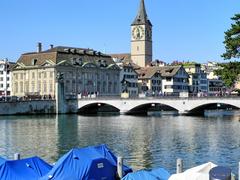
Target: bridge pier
60, 98
122, 112
182, 113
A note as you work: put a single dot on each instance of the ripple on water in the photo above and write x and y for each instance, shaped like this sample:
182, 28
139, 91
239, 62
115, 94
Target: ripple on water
145, 142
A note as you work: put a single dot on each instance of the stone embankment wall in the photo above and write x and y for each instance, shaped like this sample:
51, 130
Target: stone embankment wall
28, 107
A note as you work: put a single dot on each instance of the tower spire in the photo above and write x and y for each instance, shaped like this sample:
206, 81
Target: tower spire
141, 17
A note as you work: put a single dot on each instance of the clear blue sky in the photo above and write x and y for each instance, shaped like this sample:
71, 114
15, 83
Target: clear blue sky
182, 29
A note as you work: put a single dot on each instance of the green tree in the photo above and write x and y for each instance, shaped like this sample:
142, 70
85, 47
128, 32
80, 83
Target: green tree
229, 72
232, 39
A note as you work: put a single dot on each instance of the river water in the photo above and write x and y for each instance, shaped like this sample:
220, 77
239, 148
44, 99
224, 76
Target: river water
144, 142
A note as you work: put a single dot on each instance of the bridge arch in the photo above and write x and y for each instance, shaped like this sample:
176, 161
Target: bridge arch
97, 107
144, 108
200, 108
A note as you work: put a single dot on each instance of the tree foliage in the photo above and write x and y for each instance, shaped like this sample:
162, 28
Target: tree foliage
229, 72
232, 39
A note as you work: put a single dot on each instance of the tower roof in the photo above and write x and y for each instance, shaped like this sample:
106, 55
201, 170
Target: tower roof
141, 17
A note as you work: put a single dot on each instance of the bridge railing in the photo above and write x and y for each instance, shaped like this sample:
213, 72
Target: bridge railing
190, 97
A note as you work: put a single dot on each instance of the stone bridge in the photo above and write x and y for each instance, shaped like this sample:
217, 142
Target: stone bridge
182, 105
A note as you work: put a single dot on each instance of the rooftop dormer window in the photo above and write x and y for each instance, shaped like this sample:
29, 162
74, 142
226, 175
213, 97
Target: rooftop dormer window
80, 61
74, 61
34, 62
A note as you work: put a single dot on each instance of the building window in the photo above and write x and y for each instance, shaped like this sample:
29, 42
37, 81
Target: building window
115, 87
109, 87
70, 75
21, 87
104, 87
34, 62
33, 75
1, 78
1, 72
44, 86
98, 86
16, 87
67, 87
8, 85
26, 87
168, 79
39, 86
51, 74
45, 75
21, 76
39, 75
33, 86
7, 78
73, 86
168, 87
50, 86
1, 85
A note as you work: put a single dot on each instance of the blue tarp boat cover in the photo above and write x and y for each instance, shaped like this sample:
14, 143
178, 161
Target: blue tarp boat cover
24, 169
156, 174
90, 163
2, 160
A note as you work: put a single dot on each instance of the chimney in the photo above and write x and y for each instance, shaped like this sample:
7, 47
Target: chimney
51, 46
39, 47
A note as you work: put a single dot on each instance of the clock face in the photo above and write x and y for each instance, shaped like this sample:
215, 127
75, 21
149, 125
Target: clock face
138, 32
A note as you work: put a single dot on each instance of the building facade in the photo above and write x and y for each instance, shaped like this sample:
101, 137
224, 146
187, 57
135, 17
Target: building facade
141, 38
85, 72
215, 83
165, 80
5, 78
174, 80
128, 79
198, 81
149, 81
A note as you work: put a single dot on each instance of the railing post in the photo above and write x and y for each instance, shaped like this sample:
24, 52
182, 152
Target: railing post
16, 156
179, 165
120, 167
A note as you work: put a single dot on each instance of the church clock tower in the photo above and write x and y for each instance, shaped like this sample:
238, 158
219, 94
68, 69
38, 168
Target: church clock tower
141, 38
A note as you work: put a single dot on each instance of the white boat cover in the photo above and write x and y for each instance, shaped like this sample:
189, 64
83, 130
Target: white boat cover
197, 173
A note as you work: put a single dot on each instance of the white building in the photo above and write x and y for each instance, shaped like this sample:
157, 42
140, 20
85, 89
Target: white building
197, 78
174, 80
209, 68
128, 76
5, 78
166, 80
215, 83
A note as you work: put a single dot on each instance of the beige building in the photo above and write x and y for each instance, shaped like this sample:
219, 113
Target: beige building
150, 81
85, 72
141, 38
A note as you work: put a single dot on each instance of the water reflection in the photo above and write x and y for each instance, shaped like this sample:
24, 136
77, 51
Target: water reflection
145, 142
